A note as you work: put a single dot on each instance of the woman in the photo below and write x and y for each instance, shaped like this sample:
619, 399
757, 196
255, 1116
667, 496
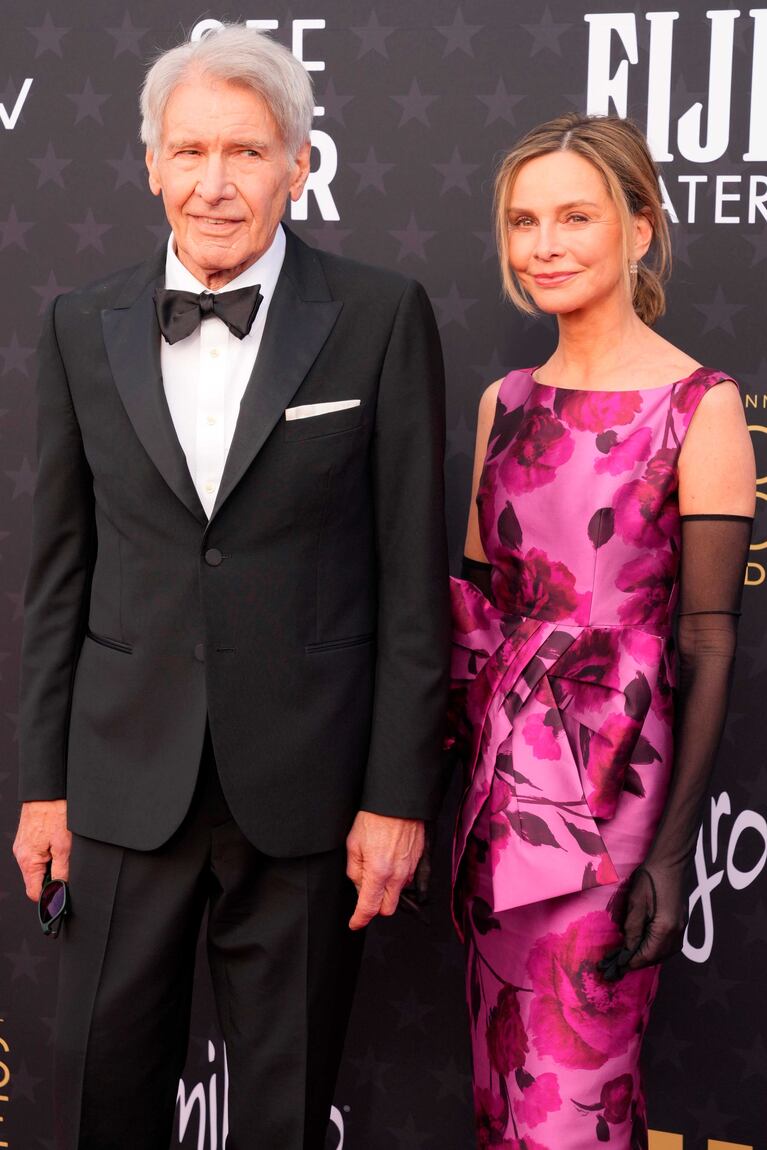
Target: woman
595, 473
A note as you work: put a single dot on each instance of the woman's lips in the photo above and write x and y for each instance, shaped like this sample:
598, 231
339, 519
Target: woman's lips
553, 279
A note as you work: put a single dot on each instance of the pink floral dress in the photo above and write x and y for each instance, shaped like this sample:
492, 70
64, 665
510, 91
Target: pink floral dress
562, 712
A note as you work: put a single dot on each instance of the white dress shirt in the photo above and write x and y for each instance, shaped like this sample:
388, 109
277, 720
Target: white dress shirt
205, 375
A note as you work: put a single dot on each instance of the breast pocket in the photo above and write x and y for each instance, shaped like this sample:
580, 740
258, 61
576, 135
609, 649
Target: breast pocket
319, 426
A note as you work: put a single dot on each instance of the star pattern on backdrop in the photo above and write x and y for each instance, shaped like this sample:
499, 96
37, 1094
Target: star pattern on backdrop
377, 944
371, 172
372, 37
371, 1070
501, 104
415, 105
48, 291
88, 103
89, 232
462, 439
15, 357
13, 231
50, 166
714, 987
129, 169
412, 1011
127, 37
494, 369
409, 1137
458, 35
754, 1058
24, 1084
48, 37
24, 963
334, 103
719, 313
23, 478
681, 242
759, 246
159, 232
452, 308
712, 1120
754, 923
667, 1047
412, 240
453, 1081
330, 237
546, 34
487, 239
455, 173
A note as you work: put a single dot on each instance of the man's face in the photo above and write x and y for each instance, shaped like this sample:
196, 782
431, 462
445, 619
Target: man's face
224, 175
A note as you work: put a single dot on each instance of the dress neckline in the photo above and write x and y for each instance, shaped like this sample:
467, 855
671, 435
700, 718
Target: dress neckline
614, 390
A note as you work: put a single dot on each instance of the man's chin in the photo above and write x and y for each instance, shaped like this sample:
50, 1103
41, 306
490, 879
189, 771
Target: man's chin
214, 261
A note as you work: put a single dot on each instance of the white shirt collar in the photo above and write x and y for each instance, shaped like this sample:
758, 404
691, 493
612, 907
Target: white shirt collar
264, 271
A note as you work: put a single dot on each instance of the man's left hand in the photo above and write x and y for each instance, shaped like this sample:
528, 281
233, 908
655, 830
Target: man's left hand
382, 856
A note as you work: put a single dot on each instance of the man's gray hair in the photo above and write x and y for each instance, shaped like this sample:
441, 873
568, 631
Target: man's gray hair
239, 55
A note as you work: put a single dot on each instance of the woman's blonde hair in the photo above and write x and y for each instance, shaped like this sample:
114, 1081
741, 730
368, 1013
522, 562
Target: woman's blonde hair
619, 152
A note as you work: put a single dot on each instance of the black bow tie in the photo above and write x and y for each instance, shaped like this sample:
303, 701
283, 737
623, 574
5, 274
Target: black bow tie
180, 312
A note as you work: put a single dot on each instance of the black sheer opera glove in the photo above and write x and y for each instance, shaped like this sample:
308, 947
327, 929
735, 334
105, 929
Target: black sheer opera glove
473, 571
714, 550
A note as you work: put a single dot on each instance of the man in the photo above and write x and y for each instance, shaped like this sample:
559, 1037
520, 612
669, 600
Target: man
236, 625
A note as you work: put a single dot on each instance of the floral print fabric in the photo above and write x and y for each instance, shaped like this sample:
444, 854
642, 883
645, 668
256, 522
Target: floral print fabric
562, 715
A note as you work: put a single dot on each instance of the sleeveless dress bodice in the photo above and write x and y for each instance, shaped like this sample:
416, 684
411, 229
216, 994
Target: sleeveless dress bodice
579, 518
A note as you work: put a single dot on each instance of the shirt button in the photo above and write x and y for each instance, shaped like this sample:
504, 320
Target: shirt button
214, 353
209, 488
213, 557
199, 652
211, 421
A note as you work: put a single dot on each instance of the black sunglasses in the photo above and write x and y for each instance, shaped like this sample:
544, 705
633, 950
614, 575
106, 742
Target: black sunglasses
53, 904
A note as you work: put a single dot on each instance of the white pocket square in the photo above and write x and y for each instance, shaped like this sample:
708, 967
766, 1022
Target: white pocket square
309, 410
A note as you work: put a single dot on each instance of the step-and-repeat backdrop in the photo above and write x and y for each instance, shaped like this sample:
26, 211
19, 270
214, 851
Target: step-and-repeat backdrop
415, 102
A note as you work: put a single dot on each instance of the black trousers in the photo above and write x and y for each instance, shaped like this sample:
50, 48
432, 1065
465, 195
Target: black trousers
283, 964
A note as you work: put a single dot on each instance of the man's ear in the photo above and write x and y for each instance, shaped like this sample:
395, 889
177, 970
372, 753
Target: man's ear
154, 181
301, 163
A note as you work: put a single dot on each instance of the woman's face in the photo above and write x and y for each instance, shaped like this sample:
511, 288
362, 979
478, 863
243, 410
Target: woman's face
565, 240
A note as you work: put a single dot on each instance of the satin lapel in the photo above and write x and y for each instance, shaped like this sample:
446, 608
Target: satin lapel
296, 329
132, 339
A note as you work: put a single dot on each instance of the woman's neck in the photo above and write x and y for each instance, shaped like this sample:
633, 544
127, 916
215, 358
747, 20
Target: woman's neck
594, 345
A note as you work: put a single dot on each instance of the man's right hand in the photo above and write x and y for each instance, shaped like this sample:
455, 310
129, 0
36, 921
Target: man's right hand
42, 837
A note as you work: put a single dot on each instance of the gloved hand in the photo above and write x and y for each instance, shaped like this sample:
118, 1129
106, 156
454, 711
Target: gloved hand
654, 920
714, 550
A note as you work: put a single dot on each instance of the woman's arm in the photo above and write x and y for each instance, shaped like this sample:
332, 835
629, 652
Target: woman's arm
473, 549
717, 497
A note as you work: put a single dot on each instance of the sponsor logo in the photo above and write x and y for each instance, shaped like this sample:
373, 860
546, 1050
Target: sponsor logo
613, 66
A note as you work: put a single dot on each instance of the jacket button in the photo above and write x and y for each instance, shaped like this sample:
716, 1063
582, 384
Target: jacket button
213, 557
199, 652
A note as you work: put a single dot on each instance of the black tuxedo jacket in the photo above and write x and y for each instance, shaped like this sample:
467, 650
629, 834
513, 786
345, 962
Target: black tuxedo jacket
307, 621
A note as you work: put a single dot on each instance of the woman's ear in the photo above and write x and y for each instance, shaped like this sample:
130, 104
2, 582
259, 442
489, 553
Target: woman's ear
643, 232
